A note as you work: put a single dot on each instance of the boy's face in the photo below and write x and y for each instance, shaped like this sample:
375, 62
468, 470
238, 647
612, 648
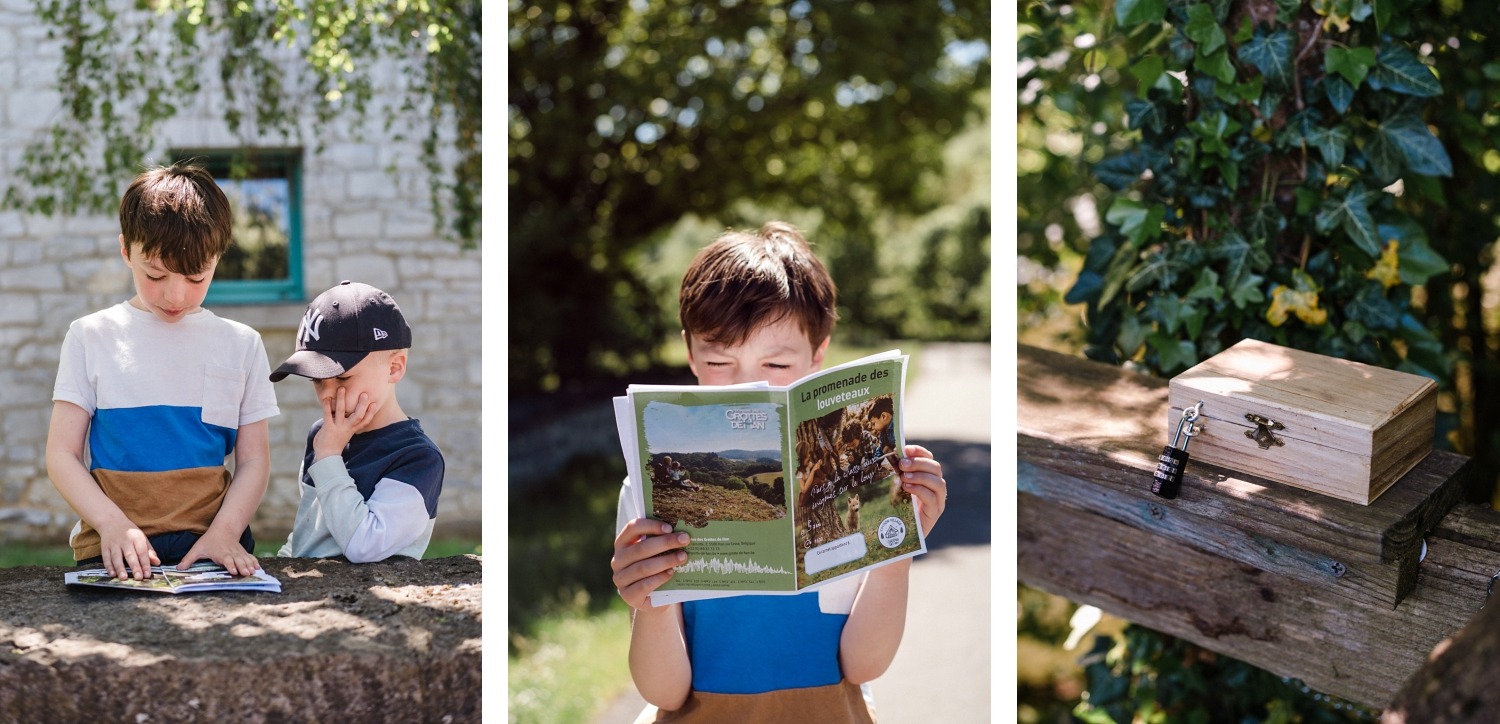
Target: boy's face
168, 295
879, 422
778, 353
376, 375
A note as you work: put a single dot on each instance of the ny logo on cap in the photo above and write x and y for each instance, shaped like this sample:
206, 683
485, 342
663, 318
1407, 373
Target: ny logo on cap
309, 331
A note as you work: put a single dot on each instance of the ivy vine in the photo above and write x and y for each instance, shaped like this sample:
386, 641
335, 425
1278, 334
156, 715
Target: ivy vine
1279, 149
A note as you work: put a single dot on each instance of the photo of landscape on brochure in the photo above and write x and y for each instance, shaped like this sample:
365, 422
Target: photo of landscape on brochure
198, 577
781, 488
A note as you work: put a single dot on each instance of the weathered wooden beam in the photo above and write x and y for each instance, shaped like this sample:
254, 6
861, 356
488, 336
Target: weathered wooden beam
1458, 682
1299, 584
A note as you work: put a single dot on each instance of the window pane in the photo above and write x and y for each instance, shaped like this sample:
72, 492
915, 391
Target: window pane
262, 234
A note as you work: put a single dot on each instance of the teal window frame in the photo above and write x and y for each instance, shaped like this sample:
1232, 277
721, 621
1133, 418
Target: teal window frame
266, 164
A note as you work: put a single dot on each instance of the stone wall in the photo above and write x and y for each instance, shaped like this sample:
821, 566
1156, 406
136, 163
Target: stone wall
360, 221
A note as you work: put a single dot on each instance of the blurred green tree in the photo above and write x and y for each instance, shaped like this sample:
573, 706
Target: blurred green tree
284, 67
626, 117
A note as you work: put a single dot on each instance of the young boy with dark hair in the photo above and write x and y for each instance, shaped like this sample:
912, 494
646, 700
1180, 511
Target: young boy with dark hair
760, 306
163, 391
370, 476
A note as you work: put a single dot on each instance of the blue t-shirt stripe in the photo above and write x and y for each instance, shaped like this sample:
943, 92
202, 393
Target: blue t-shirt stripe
156, 439
755, 644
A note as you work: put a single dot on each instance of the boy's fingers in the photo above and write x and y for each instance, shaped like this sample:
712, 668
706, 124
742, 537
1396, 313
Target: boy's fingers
647, 548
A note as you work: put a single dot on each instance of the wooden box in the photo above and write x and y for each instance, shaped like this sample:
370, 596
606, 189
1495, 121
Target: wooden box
1332, 426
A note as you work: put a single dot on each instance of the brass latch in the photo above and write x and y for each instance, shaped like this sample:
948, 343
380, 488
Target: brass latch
1264, 426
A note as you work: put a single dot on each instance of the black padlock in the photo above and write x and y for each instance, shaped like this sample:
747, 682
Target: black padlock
1167, 480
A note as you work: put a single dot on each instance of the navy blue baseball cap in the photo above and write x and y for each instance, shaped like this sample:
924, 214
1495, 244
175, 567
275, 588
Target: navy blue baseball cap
341, 327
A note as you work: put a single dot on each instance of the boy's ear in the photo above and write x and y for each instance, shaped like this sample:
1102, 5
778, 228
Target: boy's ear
124, 250
818, 353
398, 365
688, 342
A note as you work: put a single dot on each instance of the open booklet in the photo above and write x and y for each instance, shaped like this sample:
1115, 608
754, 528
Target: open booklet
167, 579
781, 488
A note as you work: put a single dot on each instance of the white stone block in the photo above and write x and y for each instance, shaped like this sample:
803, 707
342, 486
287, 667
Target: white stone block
372, 184
33, 278
362, 225
372, 269
16, 308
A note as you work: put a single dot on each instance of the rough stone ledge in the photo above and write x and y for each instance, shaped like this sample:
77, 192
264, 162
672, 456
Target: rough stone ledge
397, 641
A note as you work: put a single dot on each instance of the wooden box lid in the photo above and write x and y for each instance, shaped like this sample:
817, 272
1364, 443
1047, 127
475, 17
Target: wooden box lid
1332, 426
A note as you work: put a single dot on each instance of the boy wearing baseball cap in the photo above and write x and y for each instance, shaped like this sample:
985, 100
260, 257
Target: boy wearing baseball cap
370, 475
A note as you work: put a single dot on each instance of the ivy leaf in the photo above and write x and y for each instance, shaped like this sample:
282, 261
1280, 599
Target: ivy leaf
1159, 271
1136, 222
1132, 335
1383, 10
1192, 321
1398, 70
1207, 286
1330, 143
1204, 29
1216, 65
1417, 260
1422, 151
1286, 11
1119, 172
1340, 93
1271, 55
1372, 308
1086, 288
1148, 70
1166, 309
1129, 13
1352, 63
1384, 156
1247, 292
1143, 113
1352, 213
1173, 354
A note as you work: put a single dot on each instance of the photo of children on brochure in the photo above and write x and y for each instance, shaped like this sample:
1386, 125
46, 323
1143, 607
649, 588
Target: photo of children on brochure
715, 462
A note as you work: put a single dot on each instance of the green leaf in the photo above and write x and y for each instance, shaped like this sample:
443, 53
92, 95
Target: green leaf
1422, 151
1192, 320
1330, 143
1203, 28
1272, 56
1286, 11
1384, 156
1136, 222
1132, 336
1216, 65
1417, 260
1148, 70
1340, 93
1383, 11
1207, 286
1159, 272
1352, 213
1247, 292
1173, 354
1245, 32
1129, 13
1400, 71
1119, 172
1086, 288
1145, 114
1166, 309
1352, 63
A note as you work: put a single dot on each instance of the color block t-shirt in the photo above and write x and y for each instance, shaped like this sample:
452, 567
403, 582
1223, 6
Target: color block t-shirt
166, 401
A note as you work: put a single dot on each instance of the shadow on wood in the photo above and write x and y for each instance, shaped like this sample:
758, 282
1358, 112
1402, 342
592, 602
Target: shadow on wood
1306, 586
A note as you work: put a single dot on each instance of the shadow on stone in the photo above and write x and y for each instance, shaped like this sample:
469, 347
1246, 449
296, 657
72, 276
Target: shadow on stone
966, 467
397, 641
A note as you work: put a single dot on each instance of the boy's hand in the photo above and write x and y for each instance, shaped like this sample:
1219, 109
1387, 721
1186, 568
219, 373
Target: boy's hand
224, 551
341, 420
127, 554
922, 476
646, 552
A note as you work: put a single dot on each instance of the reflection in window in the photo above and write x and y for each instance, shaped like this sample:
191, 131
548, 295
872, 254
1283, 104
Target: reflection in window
264, 264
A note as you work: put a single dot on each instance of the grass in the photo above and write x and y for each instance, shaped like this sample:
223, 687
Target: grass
571, 667
30, 554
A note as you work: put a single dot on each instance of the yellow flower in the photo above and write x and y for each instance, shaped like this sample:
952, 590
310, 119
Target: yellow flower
1284, 299
1387, 268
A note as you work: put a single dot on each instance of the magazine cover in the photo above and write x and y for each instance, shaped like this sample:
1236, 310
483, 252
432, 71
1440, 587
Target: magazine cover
167, 579
781, 488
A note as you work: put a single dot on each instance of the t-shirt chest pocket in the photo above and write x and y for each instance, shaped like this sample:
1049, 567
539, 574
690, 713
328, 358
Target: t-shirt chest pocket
223, 387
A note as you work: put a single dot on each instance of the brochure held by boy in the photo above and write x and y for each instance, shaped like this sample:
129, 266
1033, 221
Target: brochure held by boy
781, 488
199, 577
